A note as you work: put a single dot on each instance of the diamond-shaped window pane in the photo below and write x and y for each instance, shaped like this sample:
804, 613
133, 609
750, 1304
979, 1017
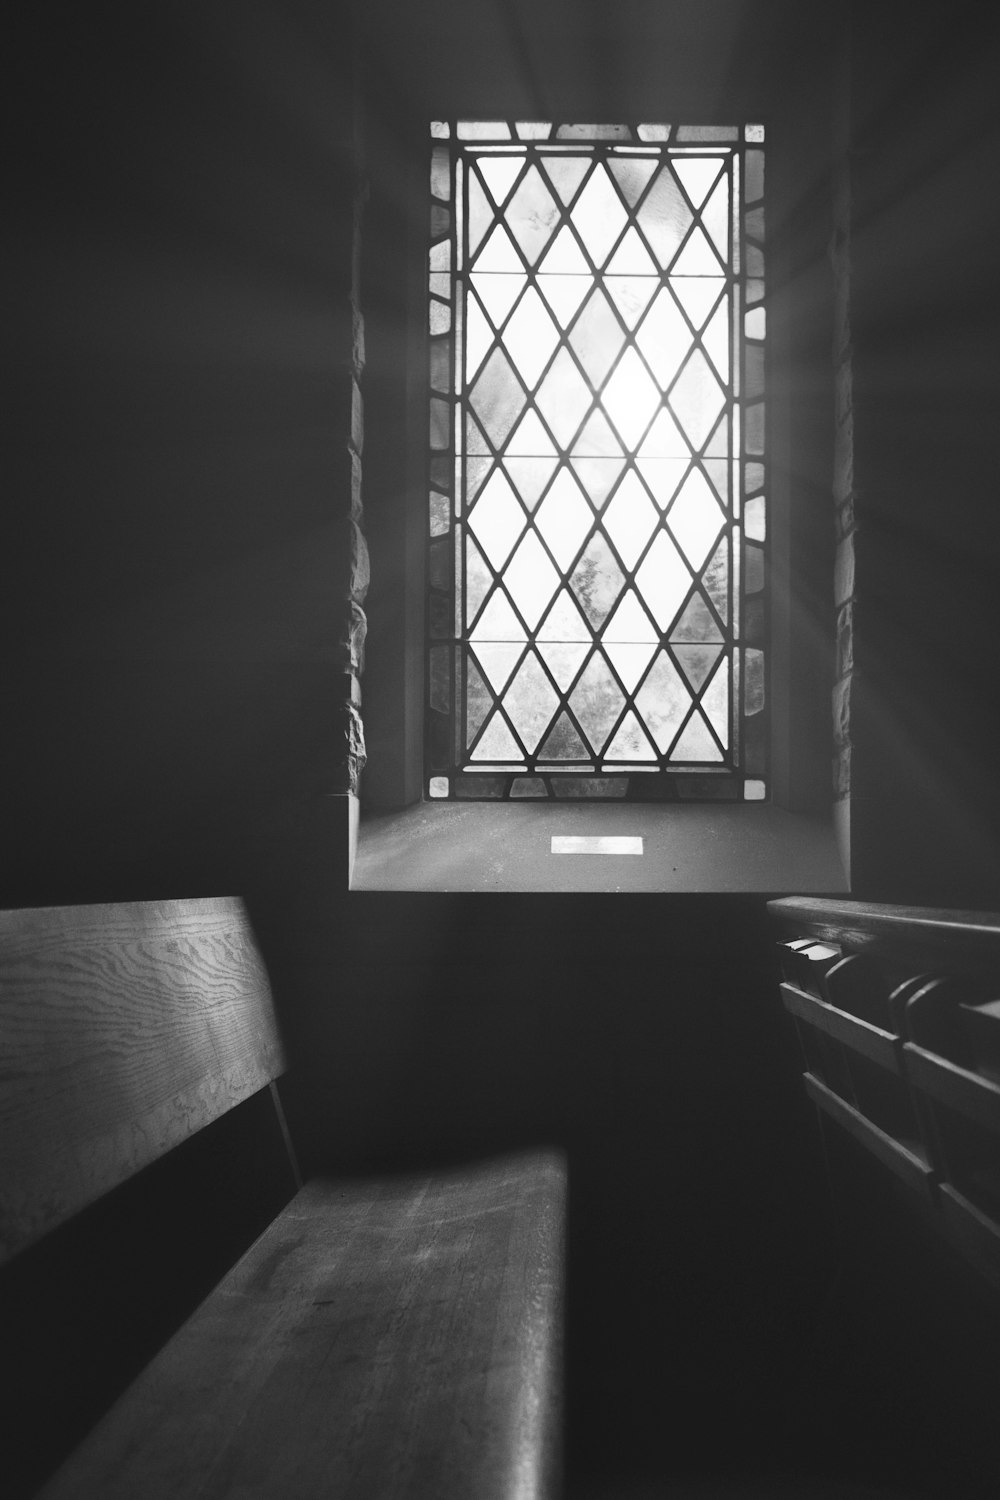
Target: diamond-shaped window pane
498, 622
564, 622
695, 518
630, 742
597, 701
632, 173
697, 623
663, 581
663, 700
480, 214
478, 579
630, 623
630, 398
629, 659
716, 338
716, 218
696, 398
530, 337
596, 437
497, 661
596, 581
529, 476
531, 579
715, 702
499, 174
498, 292
697, 258
497, 397
563, 659
597, 337
664, 338
598, 215
498, 253
563, 398
630, 518
697, 295
532, 215
662, 477
664, 217
530, 702
564, 257
497, 519
563, 742
497, 742
566, 173
529, 438
478, 337
564, 295
478, 702
696, 662
631, 258
598, 475
696, 743
663, 440
716, 579
697, 174
631, 295
564, 518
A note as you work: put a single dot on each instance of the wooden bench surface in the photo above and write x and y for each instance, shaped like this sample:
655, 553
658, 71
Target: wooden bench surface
123, 1030
381, 1339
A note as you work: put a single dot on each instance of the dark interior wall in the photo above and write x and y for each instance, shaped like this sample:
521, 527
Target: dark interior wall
177, 330
926, 321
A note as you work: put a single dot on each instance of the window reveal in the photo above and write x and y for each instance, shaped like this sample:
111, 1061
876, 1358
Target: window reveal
596, 605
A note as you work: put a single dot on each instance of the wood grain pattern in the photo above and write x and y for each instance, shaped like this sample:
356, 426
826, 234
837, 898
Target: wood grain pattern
381, 1339
123, 1030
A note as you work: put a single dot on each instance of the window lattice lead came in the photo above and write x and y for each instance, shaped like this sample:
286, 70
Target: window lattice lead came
596, 613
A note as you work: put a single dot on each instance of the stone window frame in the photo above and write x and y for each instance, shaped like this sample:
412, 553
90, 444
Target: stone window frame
396, 508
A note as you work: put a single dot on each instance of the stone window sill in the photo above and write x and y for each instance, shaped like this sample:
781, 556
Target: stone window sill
482, 846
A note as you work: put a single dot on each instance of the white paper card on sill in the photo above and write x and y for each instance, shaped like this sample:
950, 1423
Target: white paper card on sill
596, 844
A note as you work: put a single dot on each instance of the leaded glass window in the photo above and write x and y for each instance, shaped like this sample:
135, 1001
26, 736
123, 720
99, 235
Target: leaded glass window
596, 620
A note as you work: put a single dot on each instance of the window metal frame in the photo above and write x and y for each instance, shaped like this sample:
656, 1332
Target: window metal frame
740, 774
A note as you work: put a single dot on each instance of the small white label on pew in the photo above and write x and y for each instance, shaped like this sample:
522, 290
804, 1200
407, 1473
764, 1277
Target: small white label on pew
596, 844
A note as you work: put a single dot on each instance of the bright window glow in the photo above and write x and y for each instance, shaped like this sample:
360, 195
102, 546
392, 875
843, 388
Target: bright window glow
596, 525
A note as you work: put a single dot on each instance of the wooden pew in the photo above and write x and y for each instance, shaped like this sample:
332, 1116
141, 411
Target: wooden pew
396, 1337
898, 1017
126, 1029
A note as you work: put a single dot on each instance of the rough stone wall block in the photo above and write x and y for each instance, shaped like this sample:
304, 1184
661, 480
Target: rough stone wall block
356, 577
843, 452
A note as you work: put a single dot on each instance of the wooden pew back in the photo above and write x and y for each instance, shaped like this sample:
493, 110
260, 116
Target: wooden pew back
124, 1030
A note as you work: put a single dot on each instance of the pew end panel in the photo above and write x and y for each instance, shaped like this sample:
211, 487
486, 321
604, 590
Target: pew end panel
901, 1048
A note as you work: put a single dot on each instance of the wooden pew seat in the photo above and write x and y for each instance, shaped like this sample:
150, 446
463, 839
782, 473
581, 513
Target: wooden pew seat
382, 1338
388, 1338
